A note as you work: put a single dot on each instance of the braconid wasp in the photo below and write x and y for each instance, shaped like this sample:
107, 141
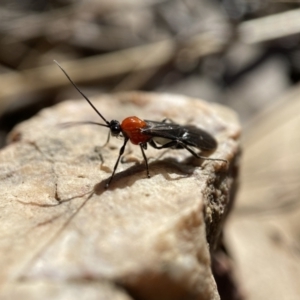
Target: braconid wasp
159, 135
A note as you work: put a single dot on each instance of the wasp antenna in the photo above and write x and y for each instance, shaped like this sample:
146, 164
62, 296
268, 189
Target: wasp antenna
83, 95
70, 124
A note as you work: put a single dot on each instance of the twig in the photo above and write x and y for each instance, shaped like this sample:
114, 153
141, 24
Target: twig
270, 27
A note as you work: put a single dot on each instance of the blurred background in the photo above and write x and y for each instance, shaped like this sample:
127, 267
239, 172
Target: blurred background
241, 53
244, 54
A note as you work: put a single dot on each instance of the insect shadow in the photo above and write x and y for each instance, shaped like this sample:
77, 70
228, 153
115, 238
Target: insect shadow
164, 167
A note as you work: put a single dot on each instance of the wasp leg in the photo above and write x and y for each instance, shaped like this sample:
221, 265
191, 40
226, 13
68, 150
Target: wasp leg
97, 150
123, 159
144, 146
117, 162
107, 140
167, 145
199, 156
177, 143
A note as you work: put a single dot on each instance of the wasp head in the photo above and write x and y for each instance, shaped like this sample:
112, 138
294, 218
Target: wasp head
115, 127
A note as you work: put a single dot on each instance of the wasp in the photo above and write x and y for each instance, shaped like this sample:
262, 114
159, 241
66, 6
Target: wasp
159, 135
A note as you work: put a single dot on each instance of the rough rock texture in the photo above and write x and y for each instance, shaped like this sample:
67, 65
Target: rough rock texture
62, 234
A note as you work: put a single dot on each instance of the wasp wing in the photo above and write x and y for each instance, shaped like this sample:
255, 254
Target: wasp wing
189, 135
199, 138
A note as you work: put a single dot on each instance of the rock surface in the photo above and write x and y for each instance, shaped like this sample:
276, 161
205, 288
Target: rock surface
62, 234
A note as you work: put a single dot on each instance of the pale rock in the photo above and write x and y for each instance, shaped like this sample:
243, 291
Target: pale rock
63, 234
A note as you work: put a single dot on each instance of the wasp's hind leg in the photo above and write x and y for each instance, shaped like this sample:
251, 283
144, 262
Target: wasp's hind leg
200, 156
177, 144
